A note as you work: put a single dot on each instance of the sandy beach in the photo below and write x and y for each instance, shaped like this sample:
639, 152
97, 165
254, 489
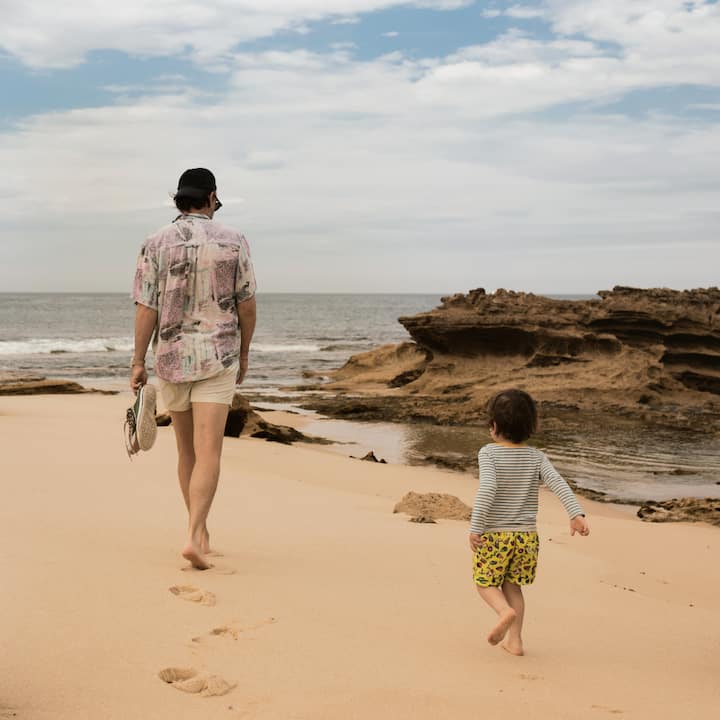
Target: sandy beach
323, 603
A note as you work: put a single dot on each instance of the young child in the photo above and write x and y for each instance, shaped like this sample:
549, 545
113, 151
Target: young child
503, 534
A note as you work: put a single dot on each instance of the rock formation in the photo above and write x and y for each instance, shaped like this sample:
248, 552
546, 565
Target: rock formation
244, 420
436, 506
682, 510
648, 354
371, 457
18, 384
631, 372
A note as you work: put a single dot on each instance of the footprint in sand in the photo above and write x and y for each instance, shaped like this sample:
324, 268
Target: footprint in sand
612, 711
234, 632
190, 680
193, 594
227, 631
224, 570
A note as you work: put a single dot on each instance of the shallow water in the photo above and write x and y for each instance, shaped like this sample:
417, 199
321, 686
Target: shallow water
632, 463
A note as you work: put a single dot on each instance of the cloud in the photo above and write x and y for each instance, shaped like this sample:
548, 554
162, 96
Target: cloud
206, 30
445, 167
593, 57
524, 12
651, 27
391, 34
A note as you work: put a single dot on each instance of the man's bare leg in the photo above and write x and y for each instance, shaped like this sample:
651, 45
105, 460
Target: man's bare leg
208, 428
514, 596
182, 423
495, 598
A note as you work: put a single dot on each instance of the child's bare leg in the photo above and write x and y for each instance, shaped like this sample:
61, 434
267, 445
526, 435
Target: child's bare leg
496, 599
514, 596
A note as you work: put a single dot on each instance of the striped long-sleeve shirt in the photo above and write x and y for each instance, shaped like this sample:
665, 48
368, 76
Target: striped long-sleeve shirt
507, 498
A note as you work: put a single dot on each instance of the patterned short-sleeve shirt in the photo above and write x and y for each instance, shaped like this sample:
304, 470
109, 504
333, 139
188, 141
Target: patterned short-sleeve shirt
194, 272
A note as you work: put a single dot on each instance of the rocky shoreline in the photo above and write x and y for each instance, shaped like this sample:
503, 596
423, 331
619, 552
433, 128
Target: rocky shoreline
645, 360
612, 371
648, 355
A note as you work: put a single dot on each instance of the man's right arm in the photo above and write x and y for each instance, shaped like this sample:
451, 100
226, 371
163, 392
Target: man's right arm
247, 313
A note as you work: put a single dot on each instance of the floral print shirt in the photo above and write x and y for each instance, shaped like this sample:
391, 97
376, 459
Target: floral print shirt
194, 272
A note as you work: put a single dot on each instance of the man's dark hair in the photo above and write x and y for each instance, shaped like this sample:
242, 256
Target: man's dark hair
187, 204
514, 413
194, 188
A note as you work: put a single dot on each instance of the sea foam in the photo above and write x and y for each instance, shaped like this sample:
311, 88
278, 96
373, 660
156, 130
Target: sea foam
46, 346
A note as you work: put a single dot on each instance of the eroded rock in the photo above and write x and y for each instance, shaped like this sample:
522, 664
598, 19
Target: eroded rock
244, 420
682, 510
19, 384
648, 355
371, 457
436, 506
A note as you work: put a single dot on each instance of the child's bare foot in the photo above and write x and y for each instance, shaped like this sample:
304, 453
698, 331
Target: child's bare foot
513, 647
193, 554
505, 620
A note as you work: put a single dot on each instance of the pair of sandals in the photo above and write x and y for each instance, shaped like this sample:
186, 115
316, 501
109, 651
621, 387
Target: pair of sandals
140, 428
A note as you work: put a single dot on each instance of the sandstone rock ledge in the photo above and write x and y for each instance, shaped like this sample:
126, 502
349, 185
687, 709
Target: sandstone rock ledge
651, 355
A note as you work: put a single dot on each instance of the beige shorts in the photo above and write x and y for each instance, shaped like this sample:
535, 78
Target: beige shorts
219, 388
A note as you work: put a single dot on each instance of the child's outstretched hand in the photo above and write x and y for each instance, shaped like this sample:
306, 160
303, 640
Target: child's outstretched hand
476, 541
579, 525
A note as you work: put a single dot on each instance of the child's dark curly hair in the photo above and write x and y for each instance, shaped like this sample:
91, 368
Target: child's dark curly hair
514, 414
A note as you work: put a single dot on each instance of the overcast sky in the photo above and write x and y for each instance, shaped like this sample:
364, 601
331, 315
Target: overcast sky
367, 145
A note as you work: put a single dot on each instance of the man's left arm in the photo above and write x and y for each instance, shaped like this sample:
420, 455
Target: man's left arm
245, 288
247, 315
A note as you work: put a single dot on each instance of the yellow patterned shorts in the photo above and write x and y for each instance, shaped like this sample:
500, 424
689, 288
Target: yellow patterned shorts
506, 555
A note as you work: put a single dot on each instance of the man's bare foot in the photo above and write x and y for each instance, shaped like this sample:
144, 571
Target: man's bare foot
504, 622
514, 648
205, 547
192, 554
205, 544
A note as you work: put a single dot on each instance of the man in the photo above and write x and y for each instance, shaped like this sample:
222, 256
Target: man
194, 291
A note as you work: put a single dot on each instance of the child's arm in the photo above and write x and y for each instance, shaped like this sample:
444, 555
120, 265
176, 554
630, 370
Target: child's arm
483, 498
555, 481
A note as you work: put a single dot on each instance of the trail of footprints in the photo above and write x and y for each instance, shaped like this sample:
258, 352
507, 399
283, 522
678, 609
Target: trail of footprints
193, 681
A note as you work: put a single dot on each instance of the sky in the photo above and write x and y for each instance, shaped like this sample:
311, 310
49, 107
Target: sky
430, 146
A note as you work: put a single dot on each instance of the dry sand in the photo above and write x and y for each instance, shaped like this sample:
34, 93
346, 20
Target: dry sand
324, 604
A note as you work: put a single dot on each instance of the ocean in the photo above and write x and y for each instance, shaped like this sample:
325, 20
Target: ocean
88, 338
